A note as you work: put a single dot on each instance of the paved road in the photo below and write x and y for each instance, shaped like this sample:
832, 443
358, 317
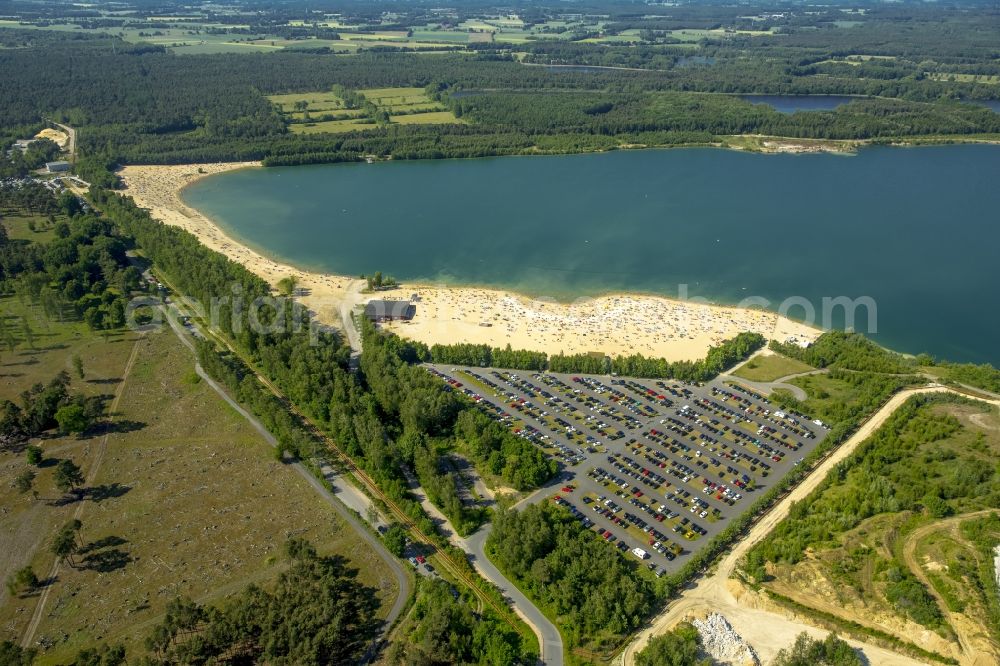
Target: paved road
765, 630
71, 133
402, 578
767, 387
549, 641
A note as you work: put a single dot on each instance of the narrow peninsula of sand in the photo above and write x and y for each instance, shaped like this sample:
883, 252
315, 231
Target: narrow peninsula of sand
617, 324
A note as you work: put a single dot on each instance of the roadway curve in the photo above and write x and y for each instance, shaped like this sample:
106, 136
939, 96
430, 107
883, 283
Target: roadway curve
402, 578
767, 631
549, 640
550, 643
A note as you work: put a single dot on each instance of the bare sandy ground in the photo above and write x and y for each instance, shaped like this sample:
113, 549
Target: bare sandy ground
615, 324
61, 138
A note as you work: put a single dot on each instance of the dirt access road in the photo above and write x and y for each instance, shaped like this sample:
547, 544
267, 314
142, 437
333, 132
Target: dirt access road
767, 631
977, 648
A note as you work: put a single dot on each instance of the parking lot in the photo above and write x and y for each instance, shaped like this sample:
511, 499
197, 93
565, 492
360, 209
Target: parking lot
656, 467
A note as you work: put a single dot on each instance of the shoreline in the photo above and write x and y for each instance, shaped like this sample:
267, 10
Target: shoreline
617, 324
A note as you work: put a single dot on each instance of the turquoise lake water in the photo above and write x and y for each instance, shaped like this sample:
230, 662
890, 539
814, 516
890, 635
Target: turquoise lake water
793, 103
915, 229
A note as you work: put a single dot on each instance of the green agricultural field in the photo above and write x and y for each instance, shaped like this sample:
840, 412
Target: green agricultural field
395, 96
317, 101
405, 106
331, 127
438, 36
432, 118
965, 78
769, 367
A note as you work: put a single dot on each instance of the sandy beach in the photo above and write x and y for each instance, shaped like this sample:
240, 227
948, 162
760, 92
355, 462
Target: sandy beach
158, 189
616, 324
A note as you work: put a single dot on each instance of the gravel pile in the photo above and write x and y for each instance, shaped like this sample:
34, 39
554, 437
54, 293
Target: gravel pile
723, 644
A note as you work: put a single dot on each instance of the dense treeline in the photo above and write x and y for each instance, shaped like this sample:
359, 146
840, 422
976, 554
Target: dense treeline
847, 351
626, 114
719, 357
914, 462
808, 651
586, 584
140, 103
42, 407
497, 451
316, 613
485, 356
83, 272
443, 629
681, 646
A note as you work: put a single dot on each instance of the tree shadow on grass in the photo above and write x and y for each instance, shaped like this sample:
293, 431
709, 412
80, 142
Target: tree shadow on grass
109, 381
123, 426
106, 491
106, 542
30, 361
106, 561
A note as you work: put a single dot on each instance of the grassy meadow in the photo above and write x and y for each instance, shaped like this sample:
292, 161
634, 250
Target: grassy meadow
184, 498
769, 367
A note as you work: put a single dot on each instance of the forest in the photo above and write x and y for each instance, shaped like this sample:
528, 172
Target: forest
83, 272
914, 71
444, 629
597, 596
719, 358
